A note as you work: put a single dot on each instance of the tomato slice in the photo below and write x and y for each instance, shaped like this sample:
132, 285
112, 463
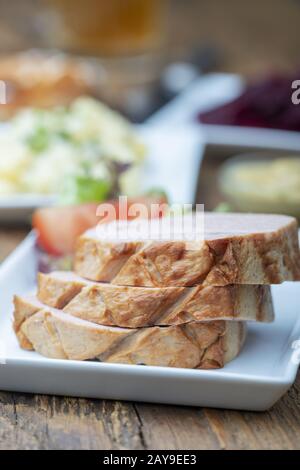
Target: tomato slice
58, 227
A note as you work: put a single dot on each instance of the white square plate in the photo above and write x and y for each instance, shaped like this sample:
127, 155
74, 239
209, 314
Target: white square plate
254, 381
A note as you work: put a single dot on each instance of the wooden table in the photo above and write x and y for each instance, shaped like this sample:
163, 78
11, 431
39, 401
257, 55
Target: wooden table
45, 422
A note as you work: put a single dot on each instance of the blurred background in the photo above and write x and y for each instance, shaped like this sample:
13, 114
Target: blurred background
252, 36
229, 67
249, 38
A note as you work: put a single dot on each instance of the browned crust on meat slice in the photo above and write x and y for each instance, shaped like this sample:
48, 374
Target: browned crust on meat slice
55, 334
60, 293
111, 256
269, 257
135, 307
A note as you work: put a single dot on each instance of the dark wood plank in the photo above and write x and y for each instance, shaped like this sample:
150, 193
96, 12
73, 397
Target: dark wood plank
278, 428
173, 427
44, 422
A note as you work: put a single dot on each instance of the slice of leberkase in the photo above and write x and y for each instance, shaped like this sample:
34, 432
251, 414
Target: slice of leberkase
135, 307
55, 334
236, 249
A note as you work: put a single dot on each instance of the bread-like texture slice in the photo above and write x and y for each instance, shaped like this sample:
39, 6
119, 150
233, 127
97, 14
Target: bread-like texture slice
237, 249
135, 307
55, 334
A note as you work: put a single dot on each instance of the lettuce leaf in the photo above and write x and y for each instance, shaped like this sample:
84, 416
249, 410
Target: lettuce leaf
82, 189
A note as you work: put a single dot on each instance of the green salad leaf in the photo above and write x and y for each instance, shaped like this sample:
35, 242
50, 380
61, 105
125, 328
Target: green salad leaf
83, 189
39, 140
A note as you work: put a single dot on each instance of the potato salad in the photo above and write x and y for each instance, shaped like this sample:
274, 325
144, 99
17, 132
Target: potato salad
83, 152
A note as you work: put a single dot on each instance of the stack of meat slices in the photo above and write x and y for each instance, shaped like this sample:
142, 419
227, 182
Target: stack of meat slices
165, 303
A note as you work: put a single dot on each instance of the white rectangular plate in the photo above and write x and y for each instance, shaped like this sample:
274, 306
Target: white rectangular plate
254, 381
208, 92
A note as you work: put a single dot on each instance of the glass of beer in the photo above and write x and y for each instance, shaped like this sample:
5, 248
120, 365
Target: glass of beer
125, 37
106, 27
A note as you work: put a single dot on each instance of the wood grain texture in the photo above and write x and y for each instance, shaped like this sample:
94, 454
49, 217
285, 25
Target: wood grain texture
42, 422
279, 428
